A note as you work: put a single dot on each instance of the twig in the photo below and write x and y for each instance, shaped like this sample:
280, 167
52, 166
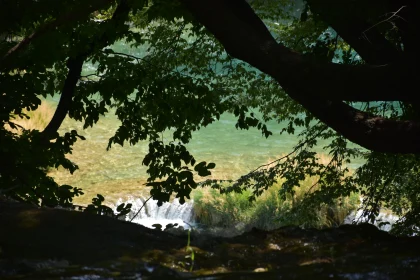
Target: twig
138, 212
9, 189
394, 14
289, 154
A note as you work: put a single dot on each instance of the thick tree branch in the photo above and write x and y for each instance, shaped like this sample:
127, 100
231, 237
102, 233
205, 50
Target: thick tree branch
75, 70
250, 42
369, 131
7, 59
319, 87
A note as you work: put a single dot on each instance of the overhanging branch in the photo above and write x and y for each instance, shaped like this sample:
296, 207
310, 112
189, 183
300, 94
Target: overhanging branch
319, 87
252, 43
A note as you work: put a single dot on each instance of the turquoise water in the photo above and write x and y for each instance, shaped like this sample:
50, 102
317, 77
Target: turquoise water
119, 172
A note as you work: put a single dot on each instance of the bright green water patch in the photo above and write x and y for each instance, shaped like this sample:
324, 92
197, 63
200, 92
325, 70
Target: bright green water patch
119, 172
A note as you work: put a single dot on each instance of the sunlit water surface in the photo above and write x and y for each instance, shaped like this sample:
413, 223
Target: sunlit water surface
119, 173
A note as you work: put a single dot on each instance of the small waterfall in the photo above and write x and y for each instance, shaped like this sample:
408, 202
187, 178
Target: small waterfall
383, 217
169, 213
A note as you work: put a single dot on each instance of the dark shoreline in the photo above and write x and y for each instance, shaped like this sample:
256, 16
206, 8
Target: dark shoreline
68, 241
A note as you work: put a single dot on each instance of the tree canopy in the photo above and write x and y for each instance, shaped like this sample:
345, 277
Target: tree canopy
340, 70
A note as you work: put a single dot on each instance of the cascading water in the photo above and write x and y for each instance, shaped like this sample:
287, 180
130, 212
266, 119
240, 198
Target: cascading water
169, 213
383, 221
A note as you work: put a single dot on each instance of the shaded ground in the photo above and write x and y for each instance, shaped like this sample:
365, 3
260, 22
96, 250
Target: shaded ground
58, 244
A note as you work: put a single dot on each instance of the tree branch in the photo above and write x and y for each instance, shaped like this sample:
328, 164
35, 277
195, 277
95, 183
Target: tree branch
348, 20
252, 43
319, 87
75, 67
369, 131
75, 70
6, 60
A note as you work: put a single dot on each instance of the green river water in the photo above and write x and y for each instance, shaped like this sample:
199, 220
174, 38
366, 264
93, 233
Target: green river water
119, 172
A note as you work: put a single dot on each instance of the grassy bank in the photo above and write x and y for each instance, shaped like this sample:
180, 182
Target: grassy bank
269, 211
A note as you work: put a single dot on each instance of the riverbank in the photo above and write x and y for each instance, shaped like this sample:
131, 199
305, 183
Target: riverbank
39, 243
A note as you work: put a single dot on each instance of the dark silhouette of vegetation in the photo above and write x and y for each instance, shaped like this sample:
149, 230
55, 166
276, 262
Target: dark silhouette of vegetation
341, 71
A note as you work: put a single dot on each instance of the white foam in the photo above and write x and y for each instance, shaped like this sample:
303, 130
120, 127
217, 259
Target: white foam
169, 213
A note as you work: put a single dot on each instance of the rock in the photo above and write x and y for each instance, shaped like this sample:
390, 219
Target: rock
34, 235
179, 231
41, 243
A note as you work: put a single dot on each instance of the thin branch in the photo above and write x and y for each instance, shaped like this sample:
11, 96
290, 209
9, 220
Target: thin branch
249, 174
138, 212
90, 75
334, 158
288, 155
9, 189
138, 59
393, 14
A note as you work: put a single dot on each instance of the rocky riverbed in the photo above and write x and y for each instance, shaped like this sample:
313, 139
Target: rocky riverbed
40, 243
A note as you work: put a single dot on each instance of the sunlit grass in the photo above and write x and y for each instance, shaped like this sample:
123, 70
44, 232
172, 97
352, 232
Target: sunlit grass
38, 119
270, 210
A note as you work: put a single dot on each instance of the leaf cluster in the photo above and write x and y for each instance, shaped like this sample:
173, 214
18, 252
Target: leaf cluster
180, 81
